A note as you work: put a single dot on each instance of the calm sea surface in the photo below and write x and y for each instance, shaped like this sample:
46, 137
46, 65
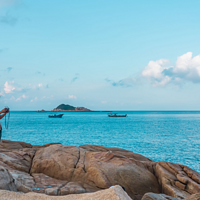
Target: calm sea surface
170, 136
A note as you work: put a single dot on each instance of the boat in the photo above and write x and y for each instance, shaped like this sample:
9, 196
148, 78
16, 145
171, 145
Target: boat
116, 115
56, 116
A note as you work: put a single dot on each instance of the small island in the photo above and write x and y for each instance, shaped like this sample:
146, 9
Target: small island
68, 108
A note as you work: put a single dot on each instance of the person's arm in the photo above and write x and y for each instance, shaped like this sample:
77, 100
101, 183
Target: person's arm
1, 116
4, 111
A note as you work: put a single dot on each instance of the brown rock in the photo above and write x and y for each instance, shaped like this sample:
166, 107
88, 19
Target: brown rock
44, 181
94, 170
106, 168
57, 161
119, 151
45, 145
167, 181
193, 197
72, 188
115, 193
17, 159
192, 174
7, 144
192, 187
153, 196
180, 185
183, 178
56, 169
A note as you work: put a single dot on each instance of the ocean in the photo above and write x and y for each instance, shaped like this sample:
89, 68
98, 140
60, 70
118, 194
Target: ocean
172, 136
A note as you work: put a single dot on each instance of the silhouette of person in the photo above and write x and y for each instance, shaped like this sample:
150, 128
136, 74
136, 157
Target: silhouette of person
4, 111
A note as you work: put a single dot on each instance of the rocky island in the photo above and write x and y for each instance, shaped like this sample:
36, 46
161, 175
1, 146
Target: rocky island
55, 171
67, 108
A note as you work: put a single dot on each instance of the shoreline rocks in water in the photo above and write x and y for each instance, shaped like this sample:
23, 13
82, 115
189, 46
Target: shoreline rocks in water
59, 170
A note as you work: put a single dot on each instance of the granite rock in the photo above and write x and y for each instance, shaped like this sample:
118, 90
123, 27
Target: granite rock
115, 193
6, 180
56, 169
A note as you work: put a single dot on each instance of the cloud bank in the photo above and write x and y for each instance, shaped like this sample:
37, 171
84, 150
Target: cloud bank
160, 73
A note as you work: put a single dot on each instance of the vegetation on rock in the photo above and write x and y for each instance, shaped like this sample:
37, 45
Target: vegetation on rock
65, 107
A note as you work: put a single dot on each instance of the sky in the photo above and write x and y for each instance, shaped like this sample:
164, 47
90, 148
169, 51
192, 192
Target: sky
103, 55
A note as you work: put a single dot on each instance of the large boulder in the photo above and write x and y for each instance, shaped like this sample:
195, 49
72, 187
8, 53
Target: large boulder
57, 161
95, 170
56, 169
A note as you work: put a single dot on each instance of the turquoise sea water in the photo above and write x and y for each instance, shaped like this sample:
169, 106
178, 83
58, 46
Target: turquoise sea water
165, 135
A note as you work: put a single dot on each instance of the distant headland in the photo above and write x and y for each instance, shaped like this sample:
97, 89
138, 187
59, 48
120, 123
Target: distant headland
68, 108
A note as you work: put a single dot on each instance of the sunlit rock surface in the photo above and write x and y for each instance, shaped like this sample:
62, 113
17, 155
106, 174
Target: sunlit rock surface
60, 170
115, 193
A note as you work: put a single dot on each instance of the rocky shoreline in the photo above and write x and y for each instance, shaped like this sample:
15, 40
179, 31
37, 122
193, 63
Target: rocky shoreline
56, 171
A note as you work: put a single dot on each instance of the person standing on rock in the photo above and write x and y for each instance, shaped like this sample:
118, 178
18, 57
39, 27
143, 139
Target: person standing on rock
4, 111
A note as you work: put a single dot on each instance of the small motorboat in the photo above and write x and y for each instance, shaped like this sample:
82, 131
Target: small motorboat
56, 116
116, 115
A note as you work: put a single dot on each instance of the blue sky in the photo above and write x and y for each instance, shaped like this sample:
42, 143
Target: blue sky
115, 55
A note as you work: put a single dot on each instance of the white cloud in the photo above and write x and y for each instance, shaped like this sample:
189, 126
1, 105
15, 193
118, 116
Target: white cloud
35, 99
153, 72
103, 102
154, 68
21, 97
159, 73
188, 67
40, 85
36, 87
8, 87
72, 97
